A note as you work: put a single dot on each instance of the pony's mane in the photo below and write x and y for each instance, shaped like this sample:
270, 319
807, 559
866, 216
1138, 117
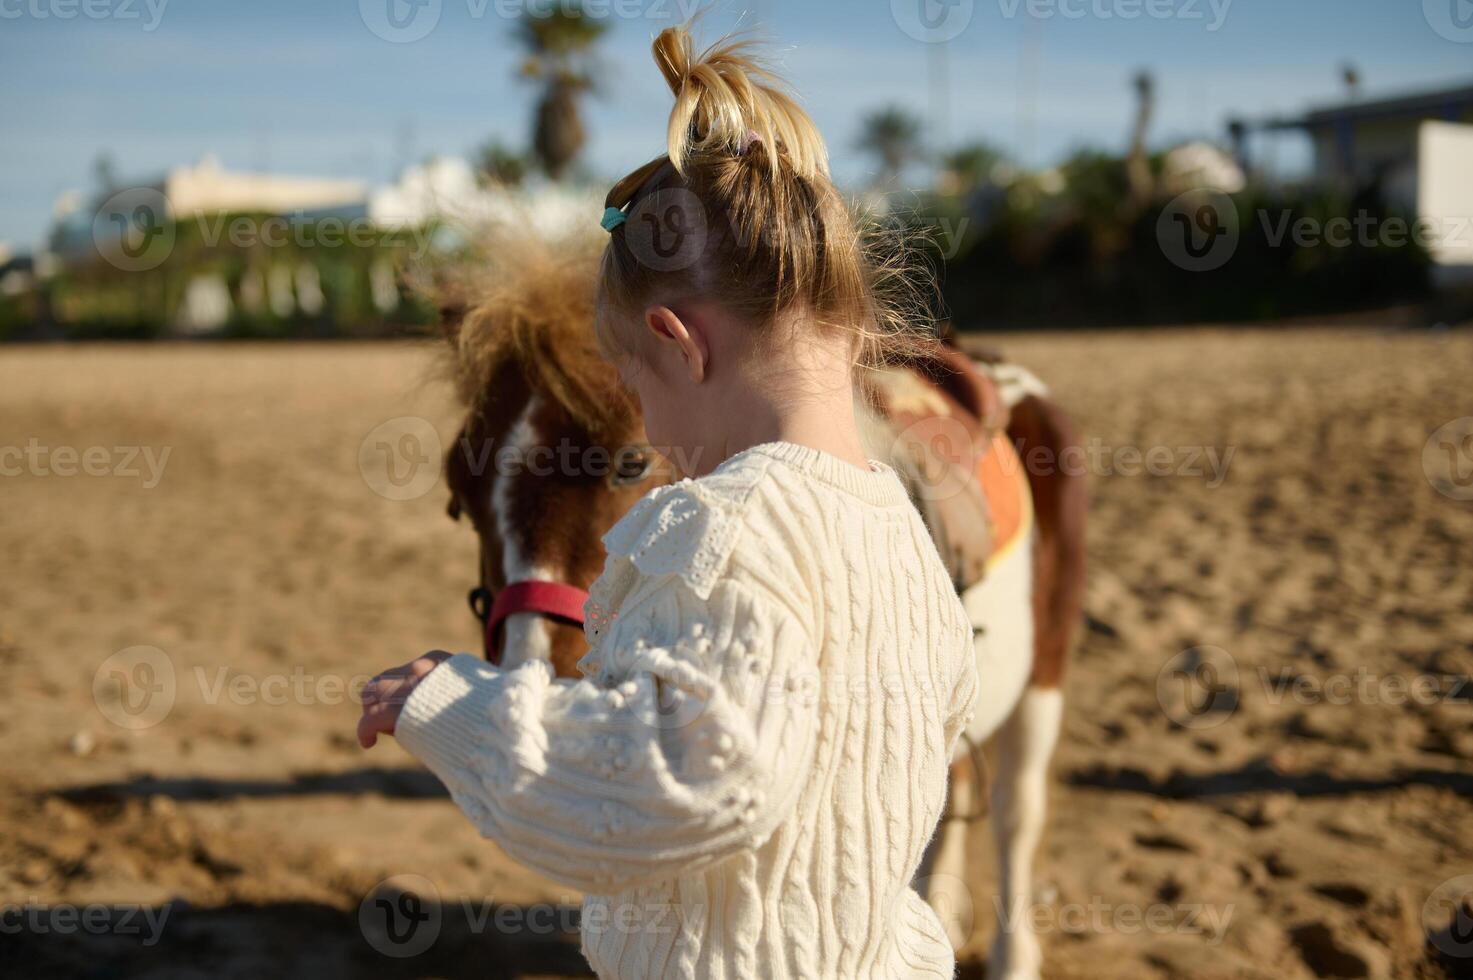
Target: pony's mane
524, 298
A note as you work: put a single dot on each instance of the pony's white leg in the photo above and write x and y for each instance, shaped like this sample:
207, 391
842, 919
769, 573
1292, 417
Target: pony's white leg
1001, 610
1003, 645
943, 874
1025, 745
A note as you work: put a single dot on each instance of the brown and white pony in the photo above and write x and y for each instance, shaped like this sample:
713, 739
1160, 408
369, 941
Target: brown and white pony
552, 452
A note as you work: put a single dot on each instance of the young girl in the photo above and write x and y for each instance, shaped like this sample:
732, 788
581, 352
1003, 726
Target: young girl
745, 780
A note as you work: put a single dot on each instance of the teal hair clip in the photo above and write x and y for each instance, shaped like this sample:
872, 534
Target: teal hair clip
613, 218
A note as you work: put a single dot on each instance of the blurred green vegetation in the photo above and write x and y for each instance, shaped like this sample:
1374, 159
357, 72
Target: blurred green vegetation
1067, 249
1071, 246
284, 277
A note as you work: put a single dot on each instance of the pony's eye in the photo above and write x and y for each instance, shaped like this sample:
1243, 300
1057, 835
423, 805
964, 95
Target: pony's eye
630, 466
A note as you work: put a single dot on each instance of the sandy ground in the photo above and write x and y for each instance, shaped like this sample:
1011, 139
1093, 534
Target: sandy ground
1300, 806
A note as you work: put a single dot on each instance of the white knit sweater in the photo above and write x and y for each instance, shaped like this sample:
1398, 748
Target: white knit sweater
745, 780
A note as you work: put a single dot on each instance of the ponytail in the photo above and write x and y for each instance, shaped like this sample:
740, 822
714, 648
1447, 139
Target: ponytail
778, 235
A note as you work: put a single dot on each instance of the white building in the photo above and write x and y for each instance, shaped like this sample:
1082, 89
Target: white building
207, 188
1417, 148
446, 189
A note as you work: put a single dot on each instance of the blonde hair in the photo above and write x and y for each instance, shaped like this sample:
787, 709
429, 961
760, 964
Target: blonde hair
775, 234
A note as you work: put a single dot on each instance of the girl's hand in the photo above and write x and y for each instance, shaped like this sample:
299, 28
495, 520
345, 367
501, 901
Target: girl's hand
383, 699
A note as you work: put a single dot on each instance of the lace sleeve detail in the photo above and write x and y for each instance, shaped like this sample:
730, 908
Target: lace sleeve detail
687, 529
683, 531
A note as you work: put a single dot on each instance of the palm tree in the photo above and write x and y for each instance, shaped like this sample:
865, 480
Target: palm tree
560, 57
972, 166
1137, 164
894, 137
495, 164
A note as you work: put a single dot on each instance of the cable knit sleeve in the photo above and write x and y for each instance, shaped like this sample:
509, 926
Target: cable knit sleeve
687, 742
962, 704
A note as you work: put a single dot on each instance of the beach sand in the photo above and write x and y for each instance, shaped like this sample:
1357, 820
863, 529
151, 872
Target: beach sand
1261, 502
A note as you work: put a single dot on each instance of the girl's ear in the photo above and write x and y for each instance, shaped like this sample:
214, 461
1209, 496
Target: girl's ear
689, 339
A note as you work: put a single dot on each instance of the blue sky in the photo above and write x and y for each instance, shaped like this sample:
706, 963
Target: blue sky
307, 87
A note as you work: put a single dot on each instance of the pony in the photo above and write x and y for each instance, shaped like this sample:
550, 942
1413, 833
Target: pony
552, 452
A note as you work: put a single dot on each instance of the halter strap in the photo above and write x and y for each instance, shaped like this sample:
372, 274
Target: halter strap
553, 599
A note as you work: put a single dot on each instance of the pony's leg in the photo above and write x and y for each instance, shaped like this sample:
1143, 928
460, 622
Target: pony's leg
942, 878
1025, 745
1028, 736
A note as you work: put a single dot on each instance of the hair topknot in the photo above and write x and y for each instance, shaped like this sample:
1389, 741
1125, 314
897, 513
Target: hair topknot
777, 235
726, 93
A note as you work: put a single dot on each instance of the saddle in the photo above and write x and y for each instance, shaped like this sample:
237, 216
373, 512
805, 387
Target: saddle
943, 427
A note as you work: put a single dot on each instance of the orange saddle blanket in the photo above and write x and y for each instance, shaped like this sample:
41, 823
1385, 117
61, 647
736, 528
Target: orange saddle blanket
948, 427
